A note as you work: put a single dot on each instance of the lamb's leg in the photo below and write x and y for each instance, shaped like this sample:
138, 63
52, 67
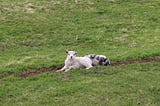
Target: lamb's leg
67, 70
62, 69
71, 67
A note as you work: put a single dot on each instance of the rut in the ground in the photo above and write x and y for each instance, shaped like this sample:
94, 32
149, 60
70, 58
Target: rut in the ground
55, 68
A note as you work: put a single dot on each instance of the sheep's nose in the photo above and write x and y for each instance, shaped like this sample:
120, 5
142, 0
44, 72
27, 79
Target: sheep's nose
71, 57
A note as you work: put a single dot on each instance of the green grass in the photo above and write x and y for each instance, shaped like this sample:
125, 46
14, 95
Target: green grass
35, 34
136, 84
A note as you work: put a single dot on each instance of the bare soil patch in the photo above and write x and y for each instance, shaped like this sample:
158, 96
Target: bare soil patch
55, 68
145, 60
38, 71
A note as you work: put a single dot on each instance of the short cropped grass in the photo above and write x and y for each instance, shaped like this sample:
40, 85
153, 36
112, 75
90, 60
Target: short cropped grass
36, 33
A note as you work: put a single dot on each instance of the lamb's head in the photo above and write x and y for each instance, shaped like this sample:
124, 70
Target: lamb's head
71, 54
103, 60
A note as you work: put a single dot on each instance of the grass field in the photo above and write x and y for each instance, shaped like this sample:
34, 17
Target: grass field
36, 33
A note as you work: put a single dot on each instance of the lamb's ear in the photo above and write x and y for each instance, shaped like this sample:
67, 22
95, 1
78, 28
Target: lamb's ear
66, 51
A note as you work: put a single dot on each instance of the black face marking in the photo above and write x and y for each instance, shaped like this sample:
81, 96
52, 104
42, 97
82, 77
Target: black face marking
107, 62
104, 59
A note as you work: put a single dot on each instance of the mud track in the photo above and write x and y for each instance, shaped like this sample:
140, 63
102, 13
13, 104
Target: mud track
55, 68
38, 71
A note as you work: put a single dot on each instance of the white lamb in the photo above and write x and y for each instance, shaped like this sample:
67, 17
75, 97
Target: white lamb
73, 62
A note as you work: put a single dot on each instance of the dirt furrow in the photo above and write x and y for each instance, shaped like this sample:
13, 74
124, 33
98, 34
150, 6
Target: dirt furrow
55, 68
